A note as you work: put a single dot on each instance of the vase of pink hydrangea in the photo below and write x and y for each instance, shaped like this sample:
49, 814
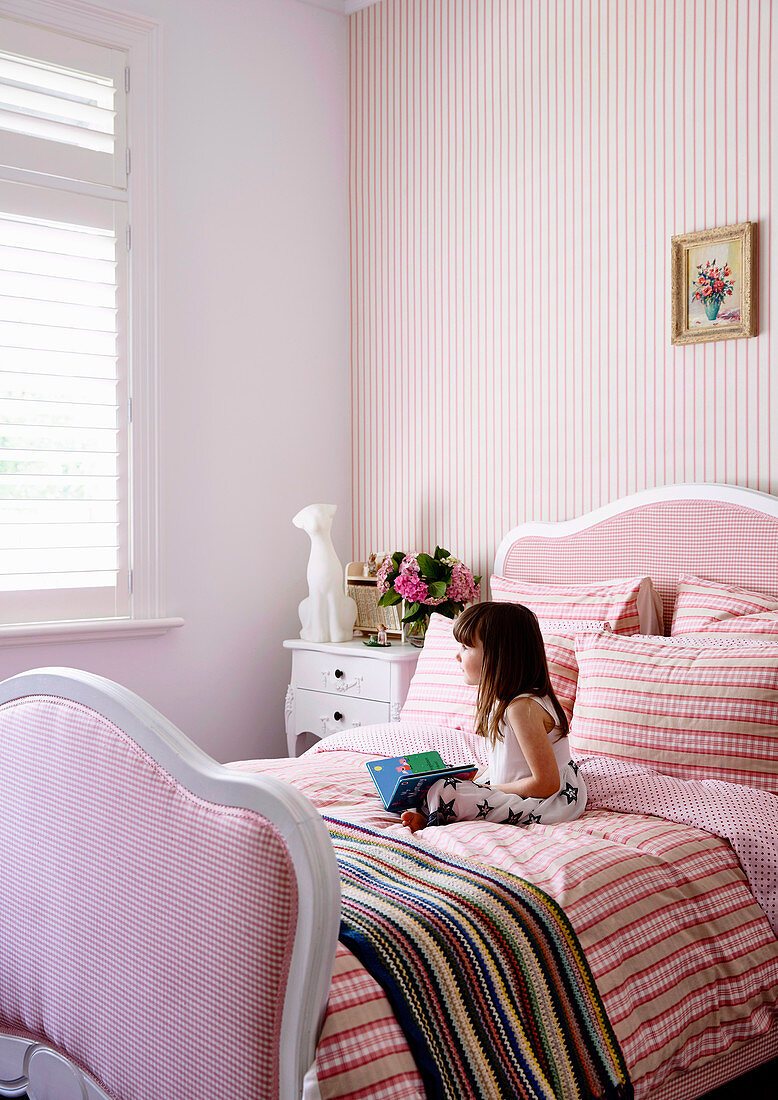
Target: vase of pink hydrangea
425, 584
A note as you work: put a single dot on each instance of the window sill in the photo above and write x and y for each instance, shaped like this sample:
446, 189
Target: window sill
90, 630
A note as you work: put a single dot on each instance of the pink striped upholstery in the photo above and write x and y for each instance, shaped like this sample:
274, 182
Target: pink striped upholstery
725, 542
704, 604
693, 710
106, 846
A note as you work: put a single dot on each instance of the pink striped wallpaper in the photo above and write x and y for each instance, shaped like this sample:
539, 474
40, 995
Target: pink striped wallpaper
517, 168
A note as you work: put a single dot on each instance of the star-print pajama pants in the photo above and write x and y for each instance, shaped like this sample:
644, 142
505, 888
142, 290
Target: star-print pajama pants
460, 800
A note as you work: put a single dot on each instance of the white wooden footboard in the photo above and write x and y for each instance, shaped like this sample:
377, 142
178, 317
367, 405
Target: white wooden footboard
168, 926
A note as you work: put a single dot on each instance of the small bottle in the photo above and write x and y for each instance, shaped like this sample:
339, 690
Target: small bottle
381, 637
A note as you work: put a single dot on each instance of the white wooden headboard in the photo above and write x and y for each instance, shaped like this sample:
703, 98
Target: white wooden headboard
721, 532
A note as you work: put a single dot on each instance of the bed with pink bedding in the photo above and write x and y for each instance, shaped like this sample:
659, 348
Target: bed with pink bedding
170, 925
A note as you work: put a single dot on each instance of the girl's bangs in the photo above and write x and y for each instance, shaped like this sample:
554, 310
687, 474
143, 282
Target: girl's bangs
466, 625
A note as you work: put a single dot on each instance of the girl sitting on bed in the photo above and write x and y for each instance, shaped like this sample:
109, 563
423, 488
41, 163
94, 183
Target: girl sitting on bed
530, 775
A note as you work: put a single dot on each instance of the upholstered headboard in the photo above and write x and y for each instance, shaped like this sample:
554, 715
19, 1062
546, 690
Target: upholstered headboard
721, 532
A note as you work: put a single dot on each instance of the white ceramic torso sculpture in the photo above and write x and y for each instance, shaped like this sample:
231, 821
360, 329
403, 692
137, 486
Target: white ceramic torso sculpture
327, 614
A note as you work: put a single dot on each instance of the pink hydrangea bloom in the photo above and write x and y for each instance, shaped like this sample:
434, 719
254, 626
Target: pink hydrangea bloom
462, 587
384, 569
410, 564
410, 568
411, 587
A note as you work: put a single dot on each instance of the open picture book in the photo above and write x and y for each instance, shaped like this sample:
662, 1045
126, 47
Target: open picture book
402, 781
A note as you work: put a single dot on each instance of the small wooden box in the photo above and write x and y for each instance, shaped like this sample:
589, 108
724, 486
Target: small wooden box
363, 589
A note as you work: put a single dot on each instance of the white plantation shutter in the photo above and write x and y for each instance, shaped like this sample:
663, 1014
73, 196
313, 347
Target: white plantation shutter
62, 105
64, 434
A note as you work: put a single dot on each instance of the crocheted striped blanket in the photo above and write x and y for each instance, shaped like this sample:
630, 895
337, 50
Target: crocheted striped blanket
482, 969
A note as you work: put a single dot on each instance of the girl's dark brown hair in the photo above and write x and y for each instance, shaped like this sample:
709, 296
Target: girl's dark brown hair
514, 661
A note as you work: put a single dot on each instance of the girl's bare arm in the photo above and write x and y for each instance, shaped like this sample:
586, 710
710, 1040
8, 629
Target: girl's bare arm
531, 724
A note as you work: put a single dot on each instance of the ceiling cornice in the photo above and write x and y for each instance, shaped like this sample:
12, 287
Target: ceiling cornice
339, 7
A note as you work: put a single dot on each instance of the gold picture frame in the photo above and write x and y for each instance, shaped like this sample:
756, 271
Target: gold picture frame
712, 285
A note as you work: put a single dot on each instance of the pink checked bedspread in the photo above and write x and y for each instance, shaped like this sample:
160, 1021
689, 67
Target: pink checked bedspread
685, 959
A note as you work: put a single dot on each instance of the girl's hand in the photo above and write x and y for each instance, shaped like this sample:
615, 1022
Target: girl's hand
414, 820
531, 725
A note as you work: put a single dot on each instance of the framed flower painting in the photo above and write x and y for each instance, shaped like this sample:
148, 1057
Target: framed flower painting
712, 285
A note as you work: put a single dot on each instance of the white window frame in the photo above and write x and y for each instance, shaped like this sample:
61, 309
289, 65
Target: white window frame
140, 38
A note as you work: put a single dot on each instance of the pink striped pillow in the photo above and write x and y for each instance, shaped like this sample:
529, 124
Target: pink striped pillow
694, 710
559, 638
702, 604
616, 605
742, 626
631, 606
439, 696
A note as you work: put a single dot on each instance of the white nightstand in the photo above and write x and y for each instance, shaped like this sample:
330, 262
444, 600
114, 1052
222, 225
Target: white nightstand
337, 685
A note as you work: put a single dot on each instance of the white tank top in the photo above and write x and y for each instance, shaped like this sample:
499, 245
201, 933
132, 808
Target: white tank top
507, 762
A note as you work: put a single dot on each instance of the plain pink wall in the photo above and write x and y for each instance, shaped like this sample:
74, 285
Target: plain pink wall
254, 360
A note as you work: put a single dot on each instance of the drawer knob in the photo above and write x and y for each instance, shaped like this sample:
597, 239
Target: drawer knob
338, 673
338, 716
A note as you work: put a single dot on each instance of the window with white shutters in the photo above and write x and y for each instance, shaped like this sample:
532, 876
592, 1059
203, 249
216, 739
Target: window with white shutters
63, 424
66, 476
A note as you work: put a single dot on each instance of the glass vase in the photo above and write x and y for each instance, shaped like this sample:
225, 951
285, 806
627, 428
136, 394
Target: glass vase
416, 632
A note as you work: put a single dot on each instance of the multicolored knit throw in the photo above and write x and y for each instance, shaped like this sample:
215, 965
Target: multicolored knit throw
483, 971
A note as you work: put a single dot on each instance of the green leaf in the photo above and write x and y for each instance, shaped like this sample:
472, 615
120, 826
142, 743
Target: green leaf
430, 568
437, 589
389, 598
440, 553
412, 613
397, 558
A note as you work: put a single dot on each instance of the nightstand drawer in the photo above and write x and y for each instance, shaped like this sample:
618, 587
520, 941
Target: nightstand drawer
323, 713
340, 674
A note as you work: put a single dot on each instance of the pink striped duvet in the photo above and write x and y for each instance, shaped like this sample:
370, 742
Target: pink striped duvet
685, 959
